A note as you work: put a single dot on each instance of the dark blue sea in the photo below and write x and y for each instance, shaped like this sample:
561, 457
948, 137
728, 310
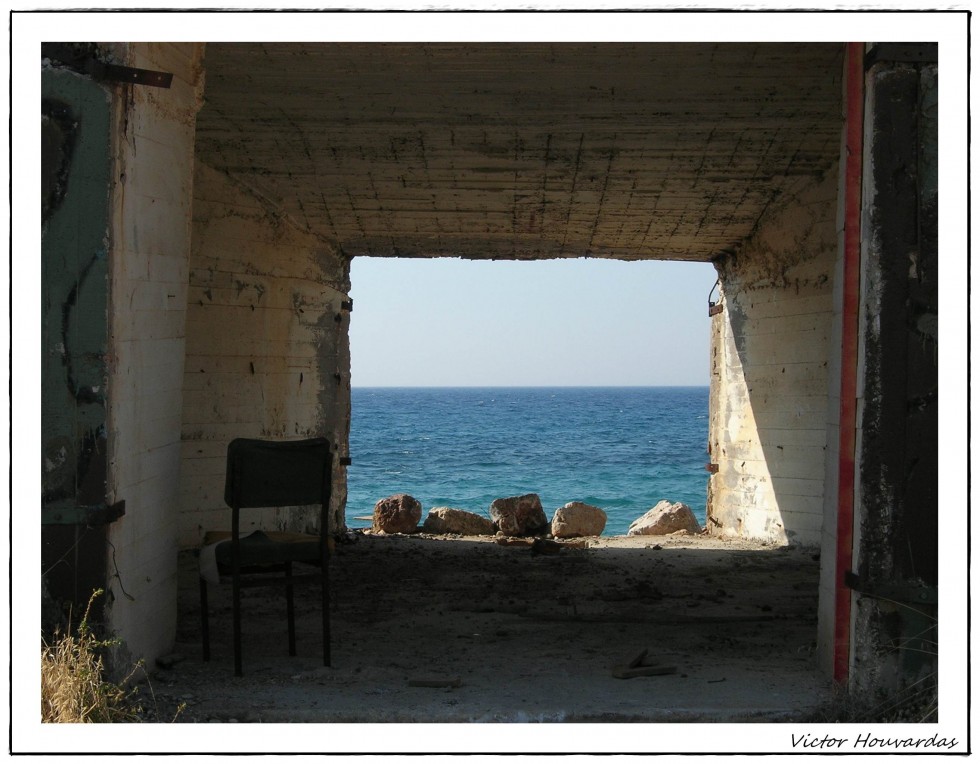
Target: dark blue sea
619, 448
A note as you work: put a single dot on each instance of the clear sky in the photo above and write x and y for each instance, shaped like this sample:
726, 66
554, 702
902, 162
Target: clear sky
451, 322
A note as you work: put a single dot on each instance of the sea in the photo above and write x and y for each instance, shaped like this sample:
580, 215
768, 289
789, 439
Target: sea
622, 449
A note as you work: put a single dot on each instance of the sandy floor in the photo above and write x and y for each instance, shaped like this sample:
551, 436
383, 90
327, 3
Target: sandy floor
515, 636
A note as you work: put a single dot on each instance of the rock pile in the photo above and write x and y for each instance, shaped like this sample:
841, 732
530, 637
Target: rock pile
523, 516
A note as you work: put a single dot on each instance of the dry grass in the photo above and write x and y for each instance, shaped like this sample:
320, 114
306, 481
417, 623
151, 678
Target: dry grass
917, 702
73, 688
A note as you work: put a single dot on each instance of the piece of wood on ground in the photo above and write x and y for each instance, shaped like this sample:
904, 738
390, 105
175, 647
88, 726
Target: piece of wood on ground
545, 546
626, 672
437, 682
573, 543
638, 660
513, 541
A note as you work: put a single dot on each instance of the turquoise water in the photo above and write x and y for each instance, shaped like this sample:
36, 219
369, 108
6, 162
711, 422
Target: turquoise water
620, 448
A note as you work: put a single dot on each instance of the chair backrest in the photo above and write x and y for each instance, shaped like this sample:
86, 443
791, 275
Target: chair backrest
266, 473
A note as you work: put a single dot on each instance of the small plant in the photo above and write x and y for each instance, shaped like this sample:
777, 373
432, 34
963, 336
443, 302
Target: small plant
916, 702
73, 689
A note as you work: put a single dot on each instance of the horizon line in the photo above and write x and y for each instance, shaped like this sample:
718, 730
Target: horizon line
516, 387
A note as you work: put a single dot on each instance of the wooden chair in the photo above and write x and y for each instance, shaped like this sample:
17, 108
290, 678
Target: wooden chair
263, 473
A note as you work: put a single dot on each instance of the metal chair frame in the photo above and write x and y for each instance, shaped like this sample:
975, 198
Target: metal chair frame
265, 473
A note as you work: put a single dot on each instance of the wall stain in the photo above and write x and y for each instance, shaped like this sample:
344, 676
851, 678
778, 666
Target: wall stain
58, 133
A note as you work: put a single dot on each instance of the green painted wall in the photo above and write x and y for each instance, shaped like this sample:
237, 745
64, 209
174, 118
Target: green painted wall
75, 174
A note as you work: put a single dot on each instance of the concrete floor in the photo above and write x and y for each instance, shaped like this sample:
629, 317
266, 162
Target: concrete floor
526, 637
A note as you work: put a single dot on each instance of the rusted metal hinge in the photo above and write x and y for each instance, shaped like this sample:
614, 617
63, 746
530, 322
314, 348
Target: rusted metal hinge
346, 461
134, 76
72, 514
902, 53
712, 468
86, 63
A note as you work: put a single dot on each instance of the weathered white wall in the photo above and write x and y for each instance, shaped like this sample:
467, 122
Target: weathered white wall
267, 346
828, 539
769, 351
150, 249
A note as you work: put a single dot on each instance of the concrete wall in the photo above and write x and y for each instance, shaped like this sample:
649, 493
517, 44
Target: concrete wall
150, 247
267, 347
769, 351
896, 534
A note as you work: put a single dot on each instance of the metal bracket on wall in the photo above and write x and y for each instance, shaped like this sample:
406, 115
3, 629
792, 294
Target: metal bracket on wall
346, 461
904, 593
902, 53
86, 63
347, 305
712, 468
714, 308
69, 513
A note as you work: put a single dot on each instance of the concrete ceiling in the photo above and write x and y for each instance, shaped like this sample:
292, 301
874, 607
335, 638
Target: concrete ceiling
631, 151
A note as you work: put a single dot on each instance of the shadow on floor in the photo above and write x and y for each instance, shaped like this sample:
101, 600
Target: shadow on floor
506, 635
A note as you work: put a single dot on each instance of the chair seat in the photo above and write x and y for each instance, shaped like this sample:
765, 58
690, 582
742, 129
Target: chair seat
265, 548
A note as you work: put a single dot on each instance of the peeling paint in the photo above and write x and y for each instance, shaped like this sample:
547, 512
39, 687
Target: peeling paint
75, 219
74, 277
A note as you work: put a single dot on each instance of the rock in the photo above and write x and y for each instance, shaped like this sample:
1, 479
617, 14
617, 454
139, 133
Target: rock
169, 661
449, 520
666, 517
519, 515
577, 519
397, 514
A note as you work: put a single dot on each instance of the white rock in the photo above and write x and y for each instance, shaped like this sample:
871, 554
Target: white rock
577, 519
667, 517
450, 520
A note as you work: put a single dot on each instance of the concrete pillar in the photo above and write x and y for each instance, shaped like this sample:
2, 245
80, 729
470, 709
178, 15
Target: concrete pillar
770, 344
896, 528
149, 256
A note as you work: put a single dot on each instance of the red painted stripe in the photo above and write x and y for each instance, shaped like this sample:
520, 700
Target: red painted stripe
853, 171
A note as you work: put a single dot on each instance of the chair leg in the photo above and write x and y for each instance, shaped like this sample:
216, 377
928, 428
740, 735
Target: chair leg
325, 597
290, 611
205, 631
236, 612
